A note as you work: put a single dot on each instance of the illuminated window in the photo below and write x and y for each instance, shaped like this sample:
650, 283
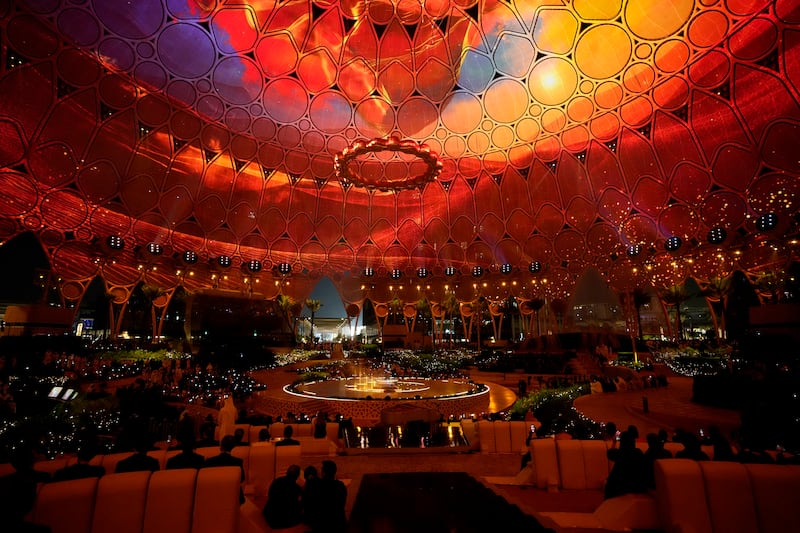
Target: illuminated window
450, 271
767, 222
369, 272
634, 250
717, 235
673, 243
115, 242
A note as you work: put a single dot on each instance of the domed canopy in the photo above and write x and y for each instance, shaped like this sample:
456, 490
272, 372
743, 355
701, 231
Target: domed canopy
226, 143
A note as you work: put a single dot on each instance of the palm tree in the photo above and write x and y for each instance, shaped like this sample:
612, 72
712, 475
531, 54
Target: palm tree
451, 308
284, 306
674, 296
640, 298
716, 292
313, 306
423, 311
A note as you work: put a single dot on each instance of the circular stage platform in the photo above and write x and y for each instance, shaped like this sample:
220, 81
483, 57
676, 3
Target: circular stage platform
360, 388
368, 397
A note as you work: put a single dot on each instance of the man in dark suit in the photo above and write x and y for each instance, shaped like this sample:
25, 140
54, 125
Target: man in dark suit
287, 439
81, 468
224, 458
139, 461
188, 458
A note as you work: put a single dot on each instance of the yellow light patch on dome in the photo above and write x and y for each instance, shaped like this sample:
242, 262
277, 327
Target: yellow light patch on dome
597, 9
657, 19
552, 81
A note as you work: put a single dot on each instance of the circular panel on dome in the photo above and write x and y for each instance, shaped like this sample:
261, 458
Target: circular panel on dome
285, 100
330, 112
603, 51
78, 26
133, 20
569, 245
461, 113
417, 118
552, 81
775, 193
374, 118
238, 80
708, 29
118, 51
506, 100
186, 50
602, 239
655, 20
19, 31
672, 55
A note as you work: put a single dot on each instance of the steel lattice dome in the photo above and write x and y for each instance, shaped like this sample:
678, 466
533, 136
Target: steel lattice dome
194, 142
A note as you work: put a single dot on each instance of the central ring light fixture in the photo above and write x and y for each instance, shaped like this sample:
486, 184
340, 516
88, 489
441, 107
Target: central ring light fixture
383, 153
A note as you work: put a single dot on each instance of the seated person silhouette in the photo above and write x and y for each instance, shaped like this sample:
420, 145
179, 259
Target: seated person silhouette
692, 448
629, 473
287, 440
224, 458
139, 461
207, 434
283, 508
327, 512
188, 458
238, 437
22, 459
263, 437
655, 450
81, 469
17, 496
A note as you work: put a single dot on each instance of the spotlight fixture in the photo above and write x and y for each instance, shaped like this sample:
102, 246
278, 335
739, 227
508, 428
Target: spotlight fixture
254, 265
535, 267
633, 250
189, 257
154, 248
673, 243
369, 272
767, 222
477, 271
285, 268
224, 261
422, 272
717, 235
115, 242
396, 273
450, 271
506, 268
